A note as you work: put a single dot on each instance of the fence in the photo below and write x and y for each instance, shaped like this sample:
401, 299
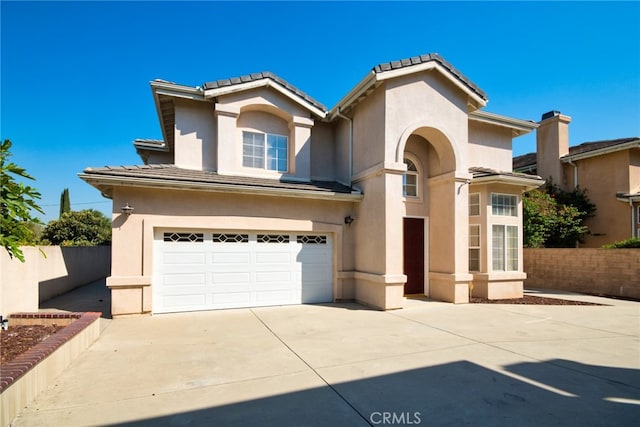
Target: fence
613, 272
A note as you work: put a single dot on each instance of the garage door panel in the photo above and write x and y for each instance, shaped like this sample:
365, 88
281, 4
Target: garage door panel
273, 277
229, 270
181, 258
230, 257
184, 279
270, 258
230, 278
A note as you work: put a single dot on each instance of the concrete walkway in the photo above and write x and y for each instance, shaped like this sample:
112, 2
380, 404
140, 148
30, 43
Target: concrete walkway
344, 365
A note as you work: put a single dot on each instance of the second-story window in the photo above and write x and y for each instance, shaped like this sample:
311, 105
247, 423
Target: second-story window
410, 180
264, 151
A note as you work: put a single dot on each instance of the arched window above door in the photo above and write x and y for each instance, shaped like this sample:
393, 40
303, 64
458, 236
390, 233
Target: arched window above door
410, 179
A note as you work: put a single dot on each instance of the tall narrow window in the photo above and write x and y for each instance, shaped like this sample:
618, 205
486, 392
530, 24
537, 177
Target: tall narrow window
410, 180
505, 247
264, 151
474, 247
474, 204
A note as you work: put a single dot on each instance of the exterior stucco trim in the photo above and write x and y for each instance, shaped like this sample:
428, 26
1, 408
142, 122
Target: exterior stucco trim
412, 128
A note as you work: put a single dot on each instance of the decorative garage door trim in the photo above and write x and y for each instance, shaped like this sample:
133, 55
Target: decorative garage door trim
205, 270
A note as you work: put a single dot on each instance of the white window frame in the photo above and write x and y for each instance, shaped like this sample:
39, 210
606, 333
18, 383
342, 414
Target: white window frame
504, 209
474, 231
266, 159
502, 251
415, 173
472, 204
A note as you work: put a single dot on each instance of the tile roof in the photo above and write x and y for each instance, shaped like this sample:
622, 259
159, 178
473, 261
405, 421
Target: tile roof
597, 145
524, 161
416, 60
259, 76
529, 159
165, 172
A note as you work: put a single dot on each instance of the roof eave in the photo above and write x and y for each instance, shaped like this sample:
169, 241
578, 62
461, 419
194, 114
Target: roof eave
106, 183
528, 183
620, 147
265, 82
518, 127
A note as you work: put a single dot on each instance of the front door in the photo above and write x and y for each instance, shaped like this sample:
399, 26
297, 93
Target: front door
413, 231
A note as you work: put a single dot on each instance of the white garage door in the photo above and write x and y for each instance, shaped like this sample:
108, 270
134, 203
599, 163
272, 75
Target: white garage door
204, 270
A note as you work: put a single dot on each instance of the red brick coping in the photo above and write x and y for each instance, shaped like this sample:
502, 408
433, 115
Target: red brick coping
19, 366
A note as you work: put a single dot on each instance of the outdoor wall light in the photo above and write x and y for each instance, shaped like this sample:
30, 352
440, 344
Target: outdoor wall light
348, 219
126, 209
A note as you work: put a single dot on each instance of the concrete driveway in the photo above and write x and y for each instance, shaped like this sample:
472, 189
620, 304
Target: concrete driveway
345, 365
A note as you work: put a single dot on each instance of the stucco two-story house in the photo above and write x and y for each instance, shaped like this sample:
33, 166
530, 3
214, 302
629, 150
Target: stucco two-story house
259, 195
608, 170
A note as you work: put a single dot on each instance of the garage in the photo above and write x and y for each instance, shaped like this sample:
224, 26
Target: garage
208, 270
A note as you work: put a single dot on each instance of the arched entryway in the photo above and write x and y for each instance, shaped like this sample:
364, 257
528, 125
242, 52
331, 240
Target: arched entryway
429, 156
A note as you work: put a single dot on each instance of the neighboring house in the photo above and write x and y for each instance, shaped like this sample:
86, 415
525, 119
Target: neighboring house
608, 170
260, 195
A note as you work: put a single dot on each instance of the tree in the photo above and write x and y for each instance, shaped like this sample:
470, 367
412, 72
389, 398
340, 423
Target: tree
554, 218
17, 201
78, 228
65, 203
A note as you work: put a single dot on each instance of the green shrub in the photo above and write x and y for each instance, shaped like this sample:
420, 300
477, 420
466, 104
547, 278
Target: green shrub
634, 242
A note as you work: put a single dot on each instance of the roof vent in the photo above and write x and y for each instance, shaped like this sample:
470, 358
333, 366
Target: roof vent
550, 114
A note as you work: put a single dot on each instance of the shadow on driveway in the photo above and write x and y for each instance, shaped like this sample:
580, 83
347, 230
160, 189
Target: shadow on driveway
456, 393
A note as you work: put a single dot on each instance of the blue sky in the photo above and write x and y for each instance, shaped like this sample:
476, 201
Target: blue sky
75, 75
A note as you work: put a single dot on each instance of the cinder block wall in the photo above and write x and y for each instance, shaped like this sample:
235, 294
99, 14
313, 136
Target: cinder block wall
614, 272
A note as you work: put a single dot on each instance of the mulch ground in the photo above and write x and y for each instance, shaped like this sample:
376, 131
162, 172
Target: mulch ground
530, 300
18, 339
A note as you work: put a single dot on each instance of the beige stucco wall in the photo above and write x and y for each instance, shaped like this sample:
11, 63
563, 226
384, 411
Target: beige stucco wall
613, 272
323, 152
195, 135
235, 111
369, 132
132, 272
603, 176
490, 146
43, 276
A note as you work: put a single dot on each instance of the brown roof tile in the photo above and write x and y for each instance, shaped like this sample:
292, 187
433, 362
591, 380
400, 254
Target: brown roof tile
173, 173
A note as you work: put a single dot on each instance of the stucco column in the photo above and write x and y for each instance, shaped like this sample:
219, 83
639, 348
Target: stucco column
449, 276
228, 141
300, 159
379, 278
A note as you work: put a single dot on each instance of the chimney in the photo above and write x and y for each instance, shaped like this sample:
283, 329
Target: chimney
552, 140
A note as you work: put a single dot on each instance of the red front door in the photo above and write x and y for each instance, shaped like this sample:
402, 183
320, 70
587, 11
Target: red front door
413, 232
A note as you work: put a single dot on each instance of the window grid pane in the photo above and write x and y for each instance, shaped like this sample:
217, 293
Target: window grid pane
474, 247
504, 204
252, 150
474, 204
512, 248
277, 153
497, 247
410, 185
